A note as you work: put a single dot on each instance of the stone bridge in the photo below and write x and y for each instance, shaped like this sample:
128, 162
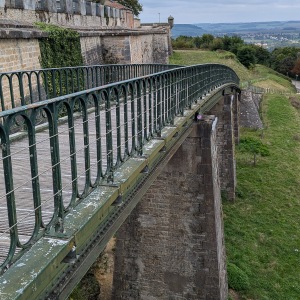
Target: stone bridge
143, 151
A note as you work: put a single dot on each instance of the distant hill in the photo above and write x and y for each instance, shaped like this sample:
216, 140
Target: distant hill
226, 28
187, 29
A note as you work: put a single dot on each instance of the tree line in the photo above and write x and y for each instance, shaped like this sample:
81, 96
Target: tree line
283, 60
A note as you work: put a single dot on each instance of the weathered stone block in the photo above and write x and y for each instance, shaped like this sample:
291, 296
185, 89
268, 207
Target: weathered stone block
98, 10
49, 5
29, 4
90, 8
107, 11
13, 4
66, 6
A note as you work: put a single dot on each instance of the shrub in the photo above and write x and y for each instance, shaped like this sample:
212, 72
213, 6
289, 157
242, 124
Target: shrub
254, 146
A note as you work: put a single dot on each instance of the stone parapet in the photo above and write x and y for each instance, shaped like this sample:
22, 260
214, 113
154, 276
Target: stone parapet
66, 13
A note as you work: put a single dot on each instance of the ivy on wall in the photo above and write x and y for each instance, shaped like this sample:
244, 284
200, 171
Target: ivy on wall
61, 48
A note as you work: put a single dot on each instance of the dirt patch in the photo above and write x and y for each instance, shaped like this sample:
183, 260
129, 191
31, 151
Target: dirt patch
295, 102
104, 270
234, 295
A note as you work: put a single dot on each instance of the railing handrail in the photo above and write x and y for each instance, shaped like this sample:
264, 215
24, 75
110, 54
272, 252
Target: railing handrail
29, 86
126, 115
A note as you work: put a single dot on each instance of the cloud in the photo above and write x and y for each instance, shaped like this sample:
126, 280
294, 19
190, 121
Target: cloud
197, 11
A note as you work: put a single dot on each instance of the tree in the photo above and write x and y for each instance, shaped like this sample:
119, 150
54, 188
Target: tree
283, 59
134, 5
246, 55
286, 65
217, 44
206, 40
232, 43
253, 146
296, 70
262, 55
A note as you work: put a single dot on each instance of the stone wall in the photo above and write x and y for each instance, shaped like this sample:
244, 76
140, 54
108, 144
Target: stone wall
250, 105
19, 49
172, 245
227, 110
19, 54
78, 13
91, 50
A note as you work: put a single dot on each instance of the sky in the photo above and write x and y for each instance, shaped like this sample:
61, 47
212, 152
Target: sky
219, 11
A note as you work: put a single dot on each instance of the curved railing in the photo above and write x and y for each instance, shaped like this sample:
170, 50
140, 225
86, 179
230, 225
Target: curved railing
25, 87
85, 137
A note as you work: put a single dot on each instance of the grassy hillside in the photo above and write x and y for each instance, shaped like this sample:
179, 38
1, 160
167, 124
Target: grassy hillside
194, 57
260, 76
262, 227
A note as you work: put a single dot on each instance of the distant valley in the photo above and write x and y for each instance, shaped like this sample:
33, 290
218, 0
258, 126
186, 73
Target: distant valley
268, 34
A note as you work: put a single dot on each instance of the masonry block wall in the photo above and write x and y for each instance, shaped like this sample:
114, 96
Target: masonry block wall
18, 54
172, 245
136, 48
19, 49
107, 33
23, 53
226, 110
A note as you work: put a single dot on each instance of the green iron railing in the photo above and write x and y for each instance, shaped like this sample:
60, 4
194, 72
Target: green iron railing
25, 87
84, 138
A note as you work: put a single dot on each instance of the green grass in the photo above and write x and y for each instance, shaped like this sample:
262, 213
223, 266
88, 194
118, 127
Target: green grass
272, 79
262, 227
260, 76
194, 57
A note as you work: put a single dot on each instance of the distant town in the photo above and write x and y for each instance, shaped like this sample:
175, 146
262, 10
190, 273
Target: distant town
271, 40
269, 35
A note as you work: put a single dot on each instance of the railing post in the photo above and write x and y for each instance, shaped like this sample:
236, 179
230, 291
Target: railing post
139, 119
118, 123
109, 146
10, 195
158, 103
58, 214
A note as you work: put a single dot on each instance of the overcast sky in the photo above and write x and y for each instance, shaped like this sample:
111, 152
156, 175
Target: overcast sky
219, 11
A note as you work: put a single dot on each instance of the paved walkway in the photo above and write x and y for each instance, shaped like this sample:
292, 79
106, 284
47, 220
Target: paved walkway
297, 85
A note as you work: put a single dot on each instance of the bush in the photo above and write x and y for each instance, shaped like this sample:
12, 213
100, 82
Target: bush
246, 55
237, 278
254, 146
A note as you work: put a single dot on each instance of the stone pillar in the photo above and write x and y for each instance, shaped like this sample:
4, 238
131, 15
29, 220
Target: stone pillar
66, 6
226, 142
90, 8
49, 5
236, 116
172, 245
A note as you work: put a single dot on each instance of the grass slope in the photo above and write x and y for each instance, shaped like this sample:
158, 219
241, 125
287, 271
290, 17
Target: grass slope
260, 76
195, 57
262, 227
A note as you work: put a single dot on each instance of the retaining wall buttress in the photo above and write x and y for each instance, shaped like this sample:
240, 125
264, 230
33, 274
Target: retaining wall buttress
172, 245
